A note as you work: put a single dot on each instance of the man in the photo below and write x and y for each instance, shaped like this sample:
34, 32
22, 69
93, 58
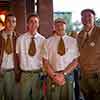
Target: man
7, 58
60, 59
29, 47
89, 45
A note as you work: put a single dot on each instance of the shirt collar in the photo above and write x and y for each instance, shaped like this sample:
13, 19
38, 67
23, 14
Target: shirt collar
30, 36
59, 36
89, 33
4, 33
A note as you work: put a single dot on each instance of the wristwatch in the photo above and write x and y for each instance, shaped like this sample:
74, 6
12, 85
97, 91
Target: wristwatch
65, 73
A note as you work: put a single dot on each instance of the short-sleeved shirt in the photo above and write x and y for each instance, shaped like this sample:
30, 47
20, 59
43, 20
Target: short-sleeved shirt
7, 61
27, 62
71, 52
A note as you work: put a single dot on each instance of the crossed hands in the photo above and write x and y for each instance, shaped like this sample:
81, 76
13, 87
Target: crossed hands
59, 79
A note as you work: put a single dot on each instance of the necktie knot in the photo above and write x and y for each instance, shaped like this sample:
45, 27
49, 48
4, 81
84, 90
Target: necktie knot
8, 36
87, 36
32, 47
61, 47
32, 38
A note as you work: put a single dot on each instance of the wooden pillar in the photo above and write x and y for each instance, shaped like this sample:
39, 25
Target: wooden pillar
20, 12
30, 6
22, 9
45, 11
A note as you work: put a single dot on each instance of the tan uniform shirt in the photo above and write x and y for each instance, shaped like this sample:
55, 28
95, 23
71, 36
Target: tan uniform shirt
90, 51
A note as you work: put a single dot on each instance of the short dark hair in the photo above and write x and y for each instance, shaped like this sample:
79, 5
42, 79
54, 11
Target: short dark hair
9, 15
32, 15
89, 10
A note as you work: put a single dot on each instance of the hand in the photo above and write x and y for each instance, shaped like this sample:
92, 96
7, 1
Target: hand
1, 72
59, 79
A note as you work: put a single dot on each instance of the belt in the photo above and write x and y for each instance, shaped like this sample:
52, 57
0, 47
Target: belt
60, 71
31, 71
8, 70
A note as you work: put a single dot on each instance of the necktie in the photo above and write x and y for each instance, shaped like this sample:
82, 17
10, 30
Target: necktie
32, 47
8, 45
61, 47
87, 36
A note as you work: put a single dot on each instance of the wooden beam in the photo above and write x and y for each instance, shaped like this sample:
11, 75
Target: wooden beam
45, 11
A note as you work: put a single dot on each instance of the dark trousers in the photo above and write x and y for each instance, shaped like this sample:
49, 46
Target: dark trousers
77, 90
90, 87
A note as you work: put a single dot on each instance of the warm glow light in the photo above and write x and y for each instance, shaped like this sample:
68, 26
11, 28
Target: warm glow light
2, 17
